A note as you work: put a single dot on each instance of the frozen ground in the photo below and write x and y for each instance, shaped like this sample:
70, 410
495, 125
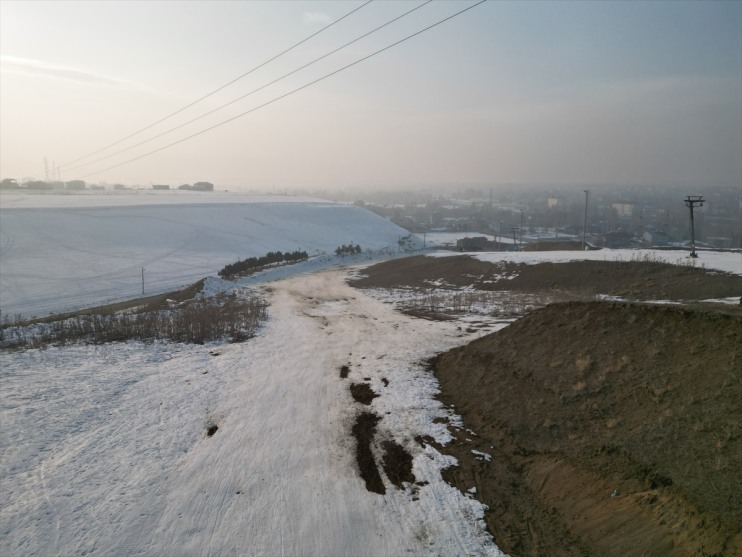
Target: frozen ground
105, 449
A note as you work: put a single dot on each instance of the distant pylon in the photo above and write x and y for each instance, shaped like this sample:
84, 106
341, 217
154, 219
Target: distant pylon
690, 202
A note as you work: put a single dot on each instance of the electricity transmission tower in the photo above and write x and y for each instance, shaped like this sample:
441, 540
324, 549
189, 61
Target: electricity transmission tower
691, 201
584, 226
515, 239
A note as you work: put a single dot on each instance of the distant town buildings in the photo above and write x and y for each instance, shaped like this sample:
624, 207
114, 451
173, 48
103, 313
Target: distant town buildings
617, 216
623, 210
80, 185
75, 185
478, 243
198, 186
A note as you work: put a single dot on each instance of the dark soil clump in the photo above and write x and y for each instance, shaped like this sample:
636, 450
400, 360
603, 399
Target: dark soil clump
344, 370
364, 431
397, 464
363, 393
211, 430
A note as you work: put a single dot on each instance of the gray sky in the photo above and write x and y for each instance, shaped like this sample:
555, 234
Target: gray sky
517, 92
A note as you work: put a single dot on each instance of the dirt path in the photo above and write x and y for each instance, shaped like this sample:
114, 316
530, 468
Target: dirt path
285, 438
237, 449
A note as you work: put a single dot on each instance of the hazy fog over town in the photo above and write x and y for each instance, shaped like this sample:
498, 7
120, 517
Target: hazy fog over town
371, 96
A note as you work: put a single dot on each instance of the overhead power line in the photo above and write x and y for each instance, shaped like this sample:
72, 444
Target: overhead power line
235, 80
276, 99
166, 132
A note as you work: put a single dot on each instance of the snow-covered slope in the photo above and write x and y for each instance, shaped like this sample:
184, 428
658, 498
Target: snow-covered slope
104, 449
64, 252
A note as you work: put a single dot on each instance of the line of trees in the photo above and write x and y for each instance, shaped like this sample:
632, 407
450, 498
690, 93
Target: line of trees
252, 264
347, 250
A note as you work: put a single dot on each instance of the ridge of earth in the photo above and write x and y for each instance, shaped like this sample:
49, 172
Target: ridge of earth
615, 428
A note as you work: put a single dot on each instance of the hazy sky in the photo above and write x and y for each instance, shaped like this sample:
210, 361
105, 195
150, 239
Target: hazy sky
518, 92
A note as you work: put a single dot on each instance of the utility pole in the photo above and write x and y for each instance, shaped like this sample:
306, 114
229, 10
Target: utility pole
142, 281
515, 240
584, 226
690, 202
521, 227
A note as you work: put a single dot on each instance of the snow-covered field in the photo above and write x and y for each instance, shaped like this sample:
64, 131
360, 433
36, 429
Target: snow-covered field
104, 450
727, 261
61, 252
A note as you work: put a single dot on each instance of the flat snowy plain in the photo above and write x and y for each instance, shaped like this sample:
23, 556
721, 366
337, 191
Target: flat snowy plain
104, 448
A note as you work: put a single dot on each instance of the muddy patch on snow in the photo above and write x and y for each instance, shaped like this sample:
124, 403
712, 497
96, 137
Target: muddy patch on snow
397, 464
364, 431
363, 393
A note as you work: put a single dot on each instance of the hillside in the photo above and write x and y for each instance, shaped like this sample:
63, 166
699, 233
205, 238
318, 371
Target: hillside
613, 427
75, 251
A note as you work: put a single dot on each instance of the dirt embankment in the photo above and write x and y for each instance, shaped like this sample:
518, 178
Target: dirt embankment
615, 429
601, 428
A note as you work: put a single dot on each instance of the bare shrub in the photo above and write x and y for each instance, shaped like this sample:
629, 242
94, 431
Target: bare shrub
443, 303
222, 317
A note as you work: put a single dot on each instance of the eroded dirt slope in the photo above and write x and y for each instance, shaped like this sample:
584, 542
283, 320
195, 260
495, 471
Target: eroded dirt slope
615, 429
601, 428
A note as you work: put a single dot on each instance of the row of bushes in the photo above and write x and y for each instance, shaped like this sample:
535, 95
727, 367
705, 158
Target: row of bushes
223, 317
347, 250
252, 264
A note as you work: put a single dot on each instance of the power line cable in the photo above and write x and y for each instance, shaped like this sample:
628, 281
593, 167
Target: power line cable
276, 99
220, 88
251, 92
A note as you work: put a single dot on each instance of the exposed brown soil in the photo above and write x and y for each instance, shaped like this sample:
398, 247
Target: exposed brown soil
617, 429
638, 280
363, 393
614, 428
364, 431
397, 464
555, 245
